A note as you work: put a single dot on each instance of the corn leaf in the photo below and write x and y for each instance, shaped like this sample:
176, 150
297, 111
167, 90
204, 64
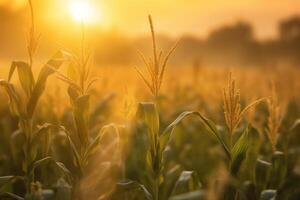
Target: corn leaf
130, 190
295, 124
81, 118
15, 103
47, 161
187, 182
5, 179
54, 63
210, 126
110, 129
76, 155
40, 139
8, 195
196, 195
279, 169
148, 112
268, 195
239, 151
8, 181
262, 174
25, 76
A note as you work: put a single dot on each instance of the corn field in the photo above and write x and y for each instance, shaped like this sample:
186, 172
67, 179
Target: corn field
72, 131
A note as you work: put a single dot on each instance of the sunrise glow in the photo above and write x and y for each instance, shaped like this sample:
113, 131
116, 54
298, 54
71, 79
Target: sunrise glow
83, 11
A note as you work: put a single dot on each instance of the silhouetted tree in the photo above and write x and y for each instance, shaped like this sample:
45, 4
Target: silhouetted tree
290, 29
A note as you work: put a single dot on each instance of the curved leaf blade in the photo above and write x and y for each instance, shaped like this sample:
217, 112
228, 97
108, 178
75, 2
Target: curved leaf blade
54, 63
15, 103
128, 190
239, 151
210, 126
187, 182
25, 76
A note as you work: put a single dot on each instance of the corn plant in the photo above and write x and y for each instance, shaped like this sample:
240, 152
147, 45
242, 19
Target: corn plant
83, 144
35, 139
158, 141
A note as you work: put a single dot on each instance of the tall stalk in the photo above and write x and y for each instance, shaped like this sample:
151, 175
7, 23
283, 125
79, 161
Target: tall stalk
153, 78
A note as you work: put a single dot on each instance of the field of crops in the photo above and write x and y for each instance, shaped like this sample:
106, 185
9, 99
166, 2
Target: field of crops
70, 130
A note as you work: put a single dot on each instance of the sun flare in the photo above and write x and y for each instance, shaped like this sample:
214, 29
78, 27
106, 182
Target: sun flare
83, 11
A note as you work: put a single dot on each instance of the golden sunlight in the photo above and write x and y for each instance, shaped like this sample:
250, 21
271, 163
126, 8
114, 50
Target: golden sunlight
83, 11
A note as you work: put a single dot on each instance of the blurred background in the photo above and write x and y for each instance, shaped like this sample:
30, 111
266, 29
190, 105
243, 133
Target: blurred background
214, 33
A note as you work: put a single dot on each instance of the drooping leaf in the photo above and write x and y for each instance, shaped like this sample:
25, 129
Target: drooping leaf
11, 196
53, 64
210, 126
76, 155
50, 161
187, 182
238, 152
6, 181
268, 195
15, 103
130, 190
112, 130
25, 76
295, 124
196, 195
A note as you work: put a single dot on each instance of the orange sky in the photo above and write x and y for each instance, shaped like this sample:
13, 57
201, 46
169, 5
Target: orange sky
174, 17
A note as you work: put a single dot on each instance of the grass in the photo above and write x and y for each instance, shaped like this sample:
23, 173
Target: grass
189, 138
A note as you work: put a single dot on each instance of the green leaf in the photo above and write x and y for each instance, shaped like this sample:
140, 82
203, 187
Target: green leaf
25, 76
41, 138
11, 196
63, 191
8, 181
238, 152
196, 195
279, 169
187, 182
295, 124
76, 155
15, 102
262, 174
170, 179
47, 161
81, 118
268, 195
247, 170
110, 130
210, 126
53, 64
130, 190
148, 112
5, 179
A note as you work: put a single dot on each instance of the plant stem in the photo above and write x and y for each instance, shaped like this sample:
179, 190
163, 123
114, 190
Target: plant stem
156, 188
82, 56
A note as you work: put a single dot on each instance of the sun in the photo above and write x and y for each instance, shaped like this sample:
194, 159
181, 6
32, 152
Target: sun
83, 11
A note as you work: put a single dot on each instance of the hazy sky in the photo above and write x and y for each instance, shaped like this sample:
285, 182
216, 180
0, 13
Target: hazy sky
174, 17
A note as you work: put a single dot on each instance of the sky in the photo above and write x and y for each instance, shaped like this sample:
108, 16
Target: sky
171, 17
